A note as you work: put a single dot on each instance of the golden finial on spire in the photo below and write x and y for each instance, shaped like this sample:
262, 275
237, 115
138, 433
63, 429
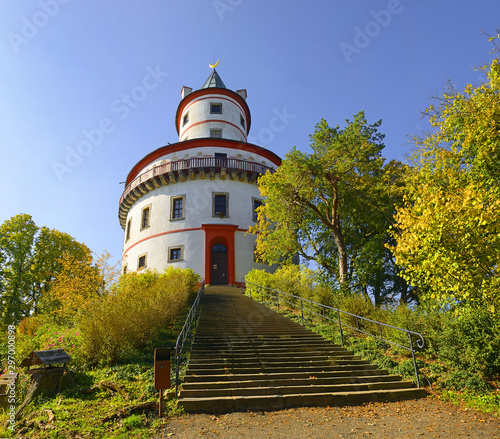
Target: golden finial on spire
213, 66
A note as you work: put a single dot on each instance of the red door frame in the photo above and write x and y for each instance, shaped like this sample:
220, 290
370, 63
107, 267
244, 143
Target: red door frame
220, 234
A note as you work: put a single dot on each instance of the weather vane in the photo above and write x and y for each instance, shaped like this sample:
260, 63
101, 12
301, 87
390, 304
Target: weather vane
213, 66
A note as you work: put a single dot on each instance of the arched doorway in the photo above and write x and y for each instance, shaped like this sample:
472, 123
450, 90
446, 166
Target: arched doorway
220, 234
218, 263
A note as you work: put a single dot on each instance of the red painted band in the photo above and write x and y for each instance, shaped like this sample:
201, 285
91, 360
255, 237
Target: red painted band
174, 231
212, 98
214, 120
211, 91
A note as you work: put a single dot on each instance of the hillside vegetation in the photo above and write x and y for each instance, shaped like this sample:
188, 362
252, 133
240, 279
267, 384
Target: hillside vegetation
111, 341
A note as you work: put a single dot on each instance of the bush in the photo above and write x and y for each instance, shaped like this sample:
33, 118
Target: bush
131, 318
470, 341
292, 279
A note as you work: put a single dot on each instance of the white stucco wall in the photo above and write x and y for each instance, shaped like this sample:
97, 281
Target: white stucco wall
165, 232
200, 120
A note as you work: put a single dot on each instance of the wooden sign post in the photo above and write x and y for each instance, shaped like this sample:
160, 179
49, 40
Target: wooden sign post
162, 373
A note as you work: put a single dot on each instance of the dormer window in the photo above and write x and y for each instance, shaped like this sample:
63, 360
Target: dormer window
215, 108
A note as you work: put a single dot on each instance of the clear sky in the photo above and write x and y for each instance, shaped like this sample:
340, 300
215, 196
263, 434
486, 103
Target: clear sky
87, 88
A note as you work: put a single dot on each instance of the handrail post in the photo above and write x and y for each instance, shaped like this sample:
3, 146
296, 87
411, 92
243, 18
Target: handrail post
327, 312
340, 329
414, 360
186, 333
177, 371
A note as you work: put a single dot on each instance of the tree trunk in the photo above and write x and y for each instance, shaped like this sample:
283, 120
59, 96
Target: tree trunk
342, 250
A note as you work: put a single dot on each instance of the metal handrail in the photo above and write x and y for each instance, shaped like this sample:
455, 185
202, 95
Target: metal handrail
420, 339
195, 163
186, 332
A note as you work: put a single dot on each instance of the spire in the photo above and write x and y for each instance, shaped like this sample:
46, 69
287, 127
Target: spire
214, 81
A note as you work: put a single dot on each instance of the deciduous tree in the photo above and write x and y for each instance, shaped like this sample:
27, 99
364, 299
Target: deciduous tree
448, 231
30, 258
332, 206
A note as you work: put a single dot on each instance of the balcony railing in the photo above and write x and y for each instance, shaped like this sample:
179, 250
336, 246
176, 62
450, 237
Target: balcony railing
195, 165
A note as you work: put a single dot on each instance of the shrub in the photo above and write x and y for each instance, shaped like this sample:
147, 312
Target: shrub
131, 318
470, 341
291, 279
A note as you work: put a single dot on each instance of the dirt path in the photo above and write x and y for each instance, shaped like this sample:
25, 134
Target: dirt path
424, 418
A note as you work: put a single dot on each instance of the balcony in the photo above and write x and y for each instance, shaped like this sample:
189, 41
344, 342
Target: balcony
180, 170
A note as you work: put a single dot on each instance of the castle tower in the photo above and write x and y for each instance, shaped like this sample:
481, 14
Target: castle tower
189, 204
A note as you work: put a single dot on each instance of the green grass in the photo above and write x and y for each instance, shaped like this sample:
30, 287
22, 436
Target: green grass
485, 403
83, 413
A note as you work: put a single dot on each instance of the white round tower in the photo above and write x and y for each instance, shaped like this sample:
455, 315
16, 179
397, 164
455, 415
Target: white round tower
189, 204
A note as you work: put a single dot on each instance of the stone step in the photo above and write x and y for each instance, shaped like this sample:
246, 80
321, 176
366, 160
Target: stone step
272, 347
269, 369
308, 381
258, 340
279, 402
294, 389
224, 360
340, 371
256, 362
207, 354
247, 357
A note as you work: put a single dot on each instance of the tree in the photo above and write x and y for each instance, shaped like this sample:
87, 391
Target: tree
29, 262
79, 283
332, 206
448, 231
16, 244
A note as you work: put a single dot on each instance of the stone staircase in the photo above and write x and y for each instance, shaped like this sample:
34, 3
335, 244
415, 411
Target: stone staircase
248, 357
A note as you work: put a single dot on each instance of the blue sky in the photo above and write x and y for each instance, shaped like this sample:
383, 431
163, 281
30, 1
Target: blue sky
87, 88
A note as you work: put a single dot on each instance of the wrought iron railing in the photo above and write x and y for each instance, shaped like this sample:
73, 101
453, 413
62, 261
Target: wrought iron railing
196, 163
187, 332
334, 315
